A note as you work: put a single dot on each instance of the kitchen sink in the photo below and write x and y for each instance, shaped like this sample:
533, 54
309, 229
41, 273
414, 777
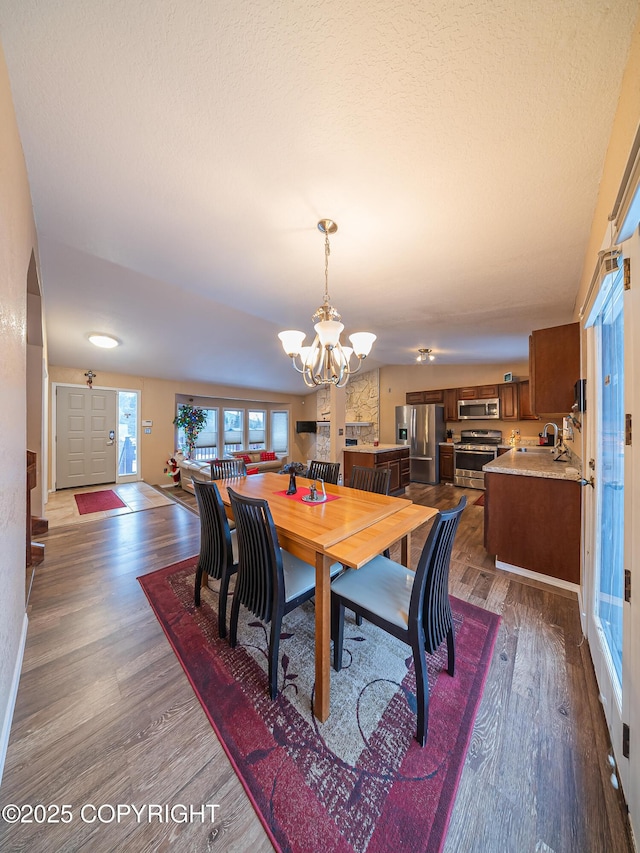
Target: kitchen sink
535, 449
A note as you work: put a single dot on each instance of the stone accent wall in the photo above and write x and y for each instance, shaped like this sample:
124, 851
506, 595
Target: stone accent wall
362, 404
323, 436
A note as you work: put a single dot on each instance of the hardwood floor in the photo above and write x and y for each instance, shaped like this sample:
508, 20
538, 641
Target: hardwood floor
105, 714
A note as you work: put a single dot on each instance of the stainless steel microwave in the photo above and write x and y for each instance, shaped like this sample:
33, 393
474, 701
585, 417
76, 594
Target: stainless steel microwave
478, 410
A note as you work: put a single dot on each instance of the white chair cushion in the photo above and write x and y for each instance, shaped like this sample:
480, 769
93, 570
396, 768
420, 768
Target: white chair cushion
381, 586
300, 576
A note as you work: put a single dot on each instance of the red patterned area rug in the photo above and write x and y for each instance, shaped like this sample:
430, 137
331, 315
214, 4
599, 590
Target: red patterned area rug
98, 501
360, 781
480, 501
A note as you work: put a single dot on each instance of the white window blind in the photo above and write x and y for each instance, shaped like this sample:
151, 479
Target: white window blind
257, 428
280, 432
209, 435
233, 426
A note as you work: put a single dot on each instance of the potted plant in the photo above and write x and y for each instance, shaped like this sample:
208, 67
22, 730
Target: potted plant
192, 420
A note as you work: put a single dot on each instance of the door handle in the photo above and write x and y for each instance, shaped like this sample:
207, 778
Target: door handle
590, 482
112, 435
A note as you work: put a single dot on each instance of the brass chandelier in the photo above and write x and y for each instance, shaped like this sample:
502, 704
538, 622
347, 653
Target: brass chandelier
326, 361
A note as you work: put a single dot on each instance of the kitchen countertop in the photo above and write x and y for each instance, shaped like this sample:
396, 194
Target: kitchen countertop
534, 463
370, 448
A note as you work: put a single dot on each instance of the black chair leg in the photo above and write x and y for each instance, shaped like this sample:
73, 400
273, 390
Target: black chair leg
422, 689
196, 591
358, 619
274, 647
222, 605
451, 651
337, 633
233, 622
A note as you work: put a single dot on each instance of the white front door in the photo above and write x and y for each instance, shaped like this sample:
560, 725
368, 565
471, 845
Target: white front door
85, 437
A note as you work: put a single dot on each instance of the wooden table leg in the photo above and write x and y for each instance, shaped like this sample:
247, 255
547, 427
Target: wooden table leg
405, 550
323, 638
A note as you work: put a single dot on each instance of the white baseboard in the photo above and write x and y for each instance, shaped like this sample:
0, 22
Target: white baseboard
13, 695
527, 573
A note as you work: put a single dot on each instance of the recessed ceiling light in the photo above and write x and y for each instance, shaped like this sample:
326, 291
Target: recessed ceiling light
104, 341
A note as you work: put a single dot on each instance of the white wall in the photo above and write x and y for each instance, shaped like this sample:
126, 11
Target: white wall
17, 241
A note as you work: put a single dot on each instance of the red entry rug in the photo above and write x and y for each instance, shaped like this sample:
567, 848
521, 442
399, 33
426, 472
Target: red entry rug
360, 781
98, 501
480, 501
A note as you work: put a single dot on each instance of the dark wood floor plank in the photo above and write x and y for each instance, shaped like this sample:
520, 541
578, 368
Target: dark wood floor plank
105, 713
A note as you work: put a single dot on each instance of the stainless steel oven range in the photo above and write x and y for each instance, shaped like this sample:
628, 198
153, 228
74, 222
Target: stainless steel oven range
475, 448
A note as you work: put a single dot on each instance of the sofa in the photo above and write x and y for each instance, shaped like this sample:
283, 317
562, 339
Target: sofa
255, 465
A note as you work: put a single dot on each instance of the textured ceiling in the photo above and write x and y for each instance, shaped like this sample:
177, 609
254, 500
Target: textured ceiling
181, 152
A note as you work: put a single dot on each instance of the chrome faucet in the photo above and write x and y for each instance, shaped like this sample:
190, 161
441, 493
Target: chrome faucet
555, 432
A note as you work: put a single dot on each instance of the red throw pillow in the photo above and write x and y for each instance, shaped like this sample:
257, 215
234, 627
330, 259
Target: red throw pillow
247, 459
253, 470
268, 456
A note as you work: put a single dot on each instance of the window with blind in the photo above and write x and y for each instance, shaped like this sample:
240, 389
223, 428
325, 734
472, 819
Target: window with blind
234, 426
280, 431
257, 429
207, 441
233, 429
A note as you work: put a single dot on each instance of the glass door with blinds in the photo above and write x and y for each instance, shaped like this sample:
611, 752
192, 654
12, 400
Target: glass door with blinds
605, 505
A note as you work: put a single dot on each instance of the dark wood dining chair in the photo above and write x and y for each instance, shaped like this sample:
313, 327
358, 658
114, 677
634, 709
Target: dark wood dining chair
376, 480
370, 479
414, 608
271, 582
218, 547
221, 469
327, 471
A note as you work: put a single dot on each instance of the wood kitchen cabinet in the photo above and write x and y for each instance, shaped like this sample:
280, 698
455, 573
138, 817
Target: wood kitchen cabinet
534, 523
468, 393
487, 392
509, 401
451, 404
397, 461
478, 392
447, 472
414, 398
554, 368
524, 402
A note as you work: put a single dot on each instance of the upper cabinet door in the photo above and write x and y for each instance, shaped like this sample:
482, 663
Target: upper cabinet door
468, 393
509, 401
487, 392
554, 368
414, 398
524, 402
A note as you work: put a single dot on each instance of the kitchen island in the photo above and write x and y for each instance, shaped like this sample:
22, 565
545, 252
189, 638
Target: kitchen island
395, 457
532, 512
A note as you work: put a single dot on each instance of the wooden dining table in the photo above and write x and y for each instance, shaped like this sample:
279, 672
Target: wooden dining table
351, 527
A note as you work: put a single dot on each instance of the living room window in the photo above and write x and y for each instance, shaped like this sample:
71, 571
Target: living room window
280, 431
257, 429
233, 430
232, 426
207, 441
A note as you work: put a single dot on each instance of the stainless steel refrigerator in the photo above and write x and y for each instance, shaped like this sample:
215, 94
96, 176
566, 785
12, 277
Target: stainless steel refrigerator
422, 428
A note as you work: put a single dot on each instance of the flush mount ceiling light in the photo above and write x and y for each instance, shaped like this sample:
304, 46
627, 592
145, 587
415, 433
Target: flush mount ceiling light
425, 354
99, 339
326, 361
